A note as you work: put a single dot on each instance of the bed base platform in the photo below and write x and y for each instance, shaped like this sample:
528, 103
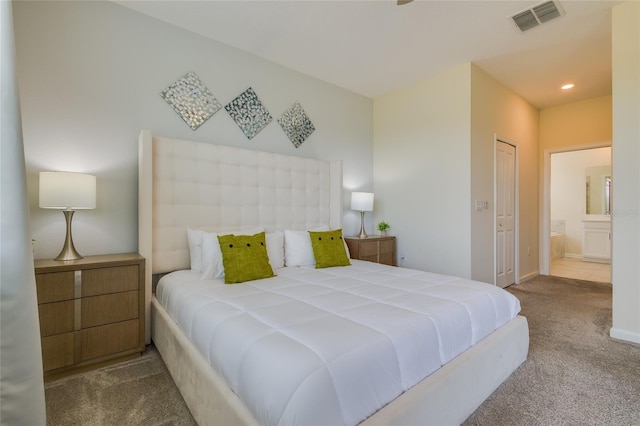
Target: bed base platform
446, 397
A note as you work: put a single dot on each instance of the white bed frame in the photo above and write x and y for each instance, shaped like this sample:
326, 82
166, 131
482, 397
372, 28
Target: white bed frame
191, 184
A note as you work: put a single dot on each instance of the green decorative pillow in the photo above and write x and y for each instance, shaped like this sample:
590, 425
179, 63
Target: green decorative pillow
244, 258
328, 248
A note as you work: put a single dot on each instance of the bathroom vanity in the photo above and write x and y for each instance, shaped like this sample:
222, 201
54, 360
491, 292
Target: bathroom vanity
596, 238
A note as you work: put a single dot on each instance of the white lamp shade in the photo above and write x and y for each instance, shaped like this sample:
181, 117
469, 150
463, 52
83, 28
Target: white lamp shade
362, 201
65, 190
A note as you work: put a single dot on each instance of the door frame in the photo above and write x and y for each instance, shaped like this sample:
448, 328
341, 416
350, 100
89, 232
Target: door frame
545, 206
516, 200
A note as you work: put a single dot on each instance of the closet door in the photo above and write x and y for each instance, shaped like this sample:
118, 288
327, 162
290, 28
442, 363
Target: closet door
505, 213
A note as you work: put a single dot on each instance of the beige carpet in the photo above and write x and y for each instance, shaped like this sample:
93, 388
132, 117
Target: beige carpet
136, 392
575, 374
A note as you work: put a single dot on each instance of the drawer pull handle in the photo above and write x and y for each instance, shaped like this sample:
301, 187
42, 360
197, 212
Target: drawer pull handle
77, 303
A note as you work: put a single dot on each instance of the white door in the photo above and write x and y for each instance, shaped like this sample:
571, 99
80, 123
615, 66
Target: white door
505, 214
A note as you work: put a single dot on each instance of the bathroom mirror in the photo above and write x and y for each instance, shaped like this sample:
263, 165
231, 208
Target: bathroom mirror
598, 190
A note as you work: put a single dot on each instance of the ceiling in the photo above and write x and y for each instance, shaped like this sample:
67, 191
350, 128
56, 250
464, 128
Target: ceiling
373, 47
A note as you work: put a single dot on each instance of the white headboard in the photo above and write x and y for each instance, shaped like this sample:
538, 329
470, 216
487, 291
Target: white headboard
184, 184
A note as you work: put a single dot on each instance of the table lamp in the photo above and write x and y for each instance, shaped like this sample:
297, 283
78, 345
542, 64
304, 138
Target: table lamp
362, 202
67, 192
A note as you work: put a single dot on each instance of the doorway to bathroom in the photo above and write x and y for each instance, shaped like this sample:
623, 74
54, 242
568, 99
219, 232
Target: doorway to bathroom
579, 214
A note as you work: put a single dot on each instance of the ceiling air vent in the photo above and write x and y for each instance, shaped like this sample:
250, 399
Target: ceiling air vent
537, 15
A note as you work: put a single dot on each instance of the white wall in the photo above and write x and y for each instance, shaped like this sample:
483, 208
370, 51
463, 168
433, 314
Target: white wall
498, 112
90, 77
434, 155
422, 171
567, 191
625, 224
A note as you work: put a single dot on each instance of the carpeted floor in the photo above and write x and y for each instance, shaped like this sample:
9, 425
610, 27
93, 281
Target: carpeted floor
575, 373
135, 392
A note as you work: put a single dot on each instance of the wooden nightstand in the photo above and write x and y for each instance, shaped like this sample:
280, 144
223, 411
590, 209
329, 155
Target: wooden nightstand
91, 311
373, 249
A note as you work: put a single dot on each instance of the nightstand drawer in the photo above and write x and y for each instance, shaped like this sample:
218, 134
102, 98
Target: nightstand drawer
55, 286
109, 339
56, 318
58, 351
387, 259
109, 308
109, 280
387, 247
368, 248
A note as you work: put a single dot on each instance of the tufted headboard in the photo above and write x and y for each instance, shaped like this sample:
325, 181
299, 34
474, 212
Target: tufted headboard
184, 184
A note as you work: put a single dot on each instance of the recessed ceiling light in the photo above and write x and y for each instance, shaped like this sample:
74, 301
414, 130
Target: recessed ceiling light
568, 86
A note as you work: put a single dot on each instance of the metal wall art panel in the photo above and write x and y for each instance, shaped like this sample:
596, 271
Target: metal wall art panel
296, 124
191, 99
248, 113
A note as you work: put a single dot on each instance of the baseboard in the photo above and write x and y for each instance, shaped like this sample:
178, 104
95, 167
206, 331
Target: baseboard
596, 259
529, 276
573, 255
628, 336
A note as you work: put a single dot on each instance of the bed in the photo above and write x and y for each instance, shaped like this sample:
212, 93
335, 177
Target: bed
218, 189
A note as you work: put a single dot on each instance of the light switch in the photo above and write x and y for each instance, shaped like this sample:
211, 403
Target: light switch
481, 205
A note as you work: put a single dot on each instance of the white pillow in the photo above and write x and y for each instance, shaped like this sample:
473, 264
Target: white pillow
194, 238
275, 249
212, 266
297, 247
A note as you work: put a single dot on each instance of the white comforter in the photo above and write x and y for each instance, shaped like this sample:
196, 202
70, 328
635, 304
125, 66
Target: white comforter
331, 346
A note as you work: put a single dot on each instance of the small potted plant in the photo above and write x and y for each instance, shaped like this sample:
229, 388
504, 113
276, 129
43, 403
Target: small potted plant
382, 227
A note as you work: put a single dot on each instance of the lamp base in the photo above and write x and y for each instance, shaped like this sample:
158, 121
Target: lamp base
68, 251
363, 233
